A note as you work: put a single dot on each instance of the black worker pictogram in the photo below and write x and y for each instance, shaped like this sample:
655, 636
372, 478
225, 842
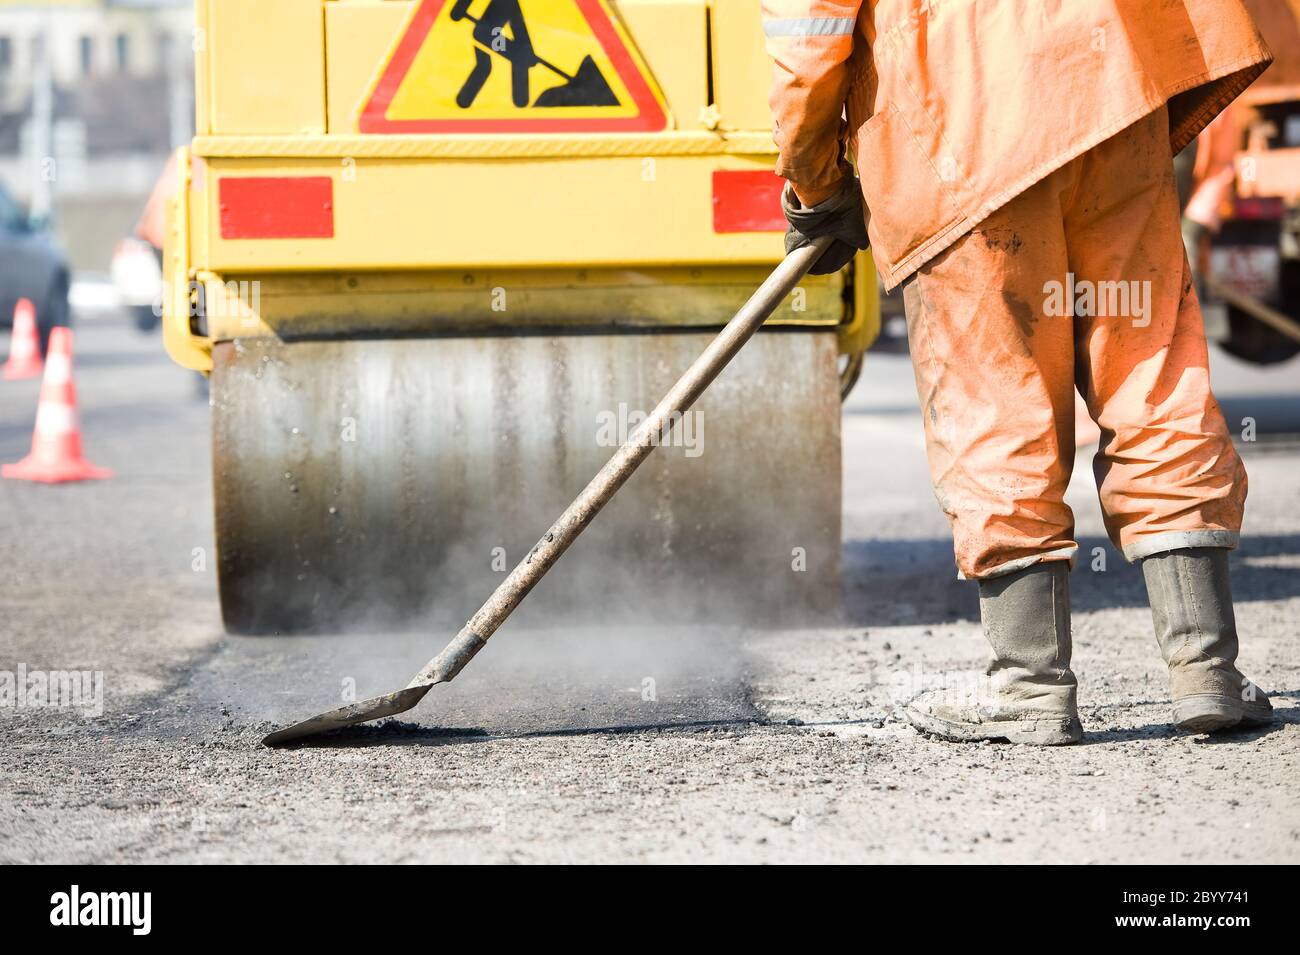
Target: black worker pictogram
501, 30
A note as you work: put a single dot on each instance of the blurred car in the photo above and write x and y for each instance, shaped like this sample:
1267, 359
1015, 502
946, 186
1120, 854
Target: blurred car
137, 261
136, 270
32, 266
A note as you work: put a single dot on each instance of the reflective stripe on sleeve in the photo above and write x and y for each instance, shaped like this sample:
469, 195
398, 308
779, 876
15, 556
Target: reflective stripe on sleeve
809, 26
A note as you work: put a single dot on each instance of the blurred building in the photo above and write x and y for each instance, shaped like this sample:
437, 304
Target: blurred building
93, 95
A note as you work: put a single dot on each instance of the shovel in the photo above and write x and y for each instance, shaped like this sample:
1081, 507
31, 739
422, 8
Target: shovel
511, 592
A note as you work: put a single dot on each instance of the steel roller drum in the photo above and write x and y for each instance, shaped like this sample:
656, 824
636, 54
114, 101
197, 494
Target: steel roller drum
362, 482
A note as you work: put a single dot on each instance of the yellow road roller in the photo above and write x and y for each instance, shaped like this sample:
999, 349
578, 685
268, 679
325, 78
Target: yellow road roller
439, 257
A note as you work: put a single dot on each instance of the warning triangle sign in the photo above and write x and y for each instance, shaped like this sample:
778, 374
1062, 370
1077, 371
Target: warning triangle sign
513, 66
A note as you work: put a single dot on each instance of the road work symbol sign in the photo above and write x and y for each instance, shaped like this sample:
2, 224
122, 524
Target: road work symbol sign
513, 66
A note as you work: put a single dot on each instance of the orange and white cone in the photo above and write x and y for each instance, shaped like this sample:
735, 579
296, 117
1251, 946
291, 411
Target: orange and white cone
56, 440
24, 344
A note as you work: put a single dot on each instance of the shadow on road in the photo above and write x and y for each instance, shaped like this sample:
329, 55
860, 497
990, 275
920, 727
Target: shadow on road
401, 733
1161, 729
906, 582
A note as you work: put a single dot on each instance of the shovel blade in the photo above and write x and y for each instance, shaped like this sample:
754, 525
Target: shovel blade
587, 87
372, 709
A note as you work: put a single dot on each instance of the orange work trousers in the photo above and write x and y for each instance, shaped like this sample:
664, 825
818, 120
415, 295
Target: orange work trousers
1080, 281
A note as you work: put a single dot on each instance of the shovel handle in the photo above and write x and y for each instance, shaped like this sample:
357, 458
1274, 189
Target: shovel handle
1260, 311
651, 432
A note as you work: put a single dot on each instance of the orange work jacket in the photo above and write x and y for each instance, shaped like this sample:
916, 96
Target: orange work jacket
953, 107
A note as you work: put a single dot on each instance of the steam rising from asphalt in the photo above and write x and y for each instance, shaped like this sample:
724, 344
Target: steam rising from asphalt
598, 643
392, 536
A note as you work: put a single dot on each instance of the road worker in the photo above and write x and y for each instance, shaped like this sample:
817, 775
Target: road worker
1014, 175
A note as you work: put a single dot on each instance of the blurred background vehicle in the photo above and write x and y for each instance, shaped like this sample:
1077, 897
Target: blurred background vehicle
1241, 219
32, 266
136, 270
137, 260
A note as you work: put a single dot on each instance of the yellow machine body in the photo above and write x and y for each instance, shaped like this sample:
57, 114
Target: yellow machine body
438, 254
430, 232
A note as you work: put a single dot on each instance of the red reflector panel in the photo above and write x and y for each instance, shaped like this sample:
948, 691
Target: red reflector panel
1258, 207
277, 207
747, 200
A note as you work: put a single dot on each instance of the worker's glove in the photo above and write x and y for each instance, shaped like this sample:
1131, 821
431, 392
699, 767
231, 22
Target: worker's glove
841, 216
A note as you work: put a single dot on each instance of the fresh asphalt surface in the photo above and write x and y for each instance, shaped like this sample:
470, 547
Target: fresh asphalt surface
719, 744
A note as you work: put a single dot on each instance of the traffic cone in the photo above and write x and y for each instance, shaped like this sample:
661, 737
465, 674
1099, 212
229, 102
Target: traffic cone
56, 440
24, 344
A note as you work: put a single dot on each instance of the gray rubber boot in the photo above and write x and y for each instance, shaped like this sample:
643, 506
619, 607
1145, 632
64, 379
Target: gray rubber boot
1191, 604
1028, 693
